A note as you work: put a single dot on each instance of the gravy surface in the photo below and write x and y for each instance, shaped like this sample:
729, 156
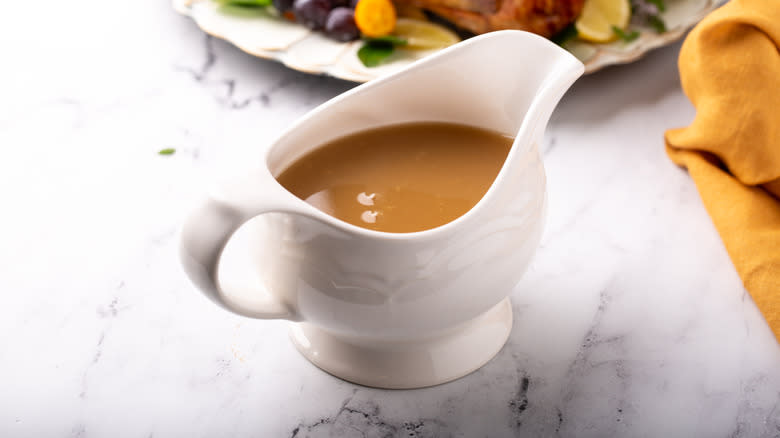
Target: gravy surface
400, 178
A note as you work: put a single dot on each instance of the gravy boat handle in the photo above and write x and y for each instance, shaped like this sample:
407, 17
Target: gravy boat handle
209, 227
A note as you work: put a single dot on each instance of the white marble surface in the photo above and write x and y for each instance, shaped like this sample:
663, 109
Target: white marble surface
631, 321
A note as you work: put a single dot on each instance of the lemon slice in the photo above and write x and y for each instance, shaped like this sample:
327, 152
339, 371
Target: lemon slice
424, 35
598, 16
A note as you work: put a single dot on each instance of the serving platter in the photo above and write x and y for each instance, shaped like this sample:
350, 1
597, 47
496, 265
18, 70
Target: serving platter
264, 35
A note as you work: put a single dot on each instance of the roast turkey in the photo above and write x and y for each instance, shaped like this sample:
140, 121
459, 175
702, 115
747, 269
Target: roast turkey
543, 17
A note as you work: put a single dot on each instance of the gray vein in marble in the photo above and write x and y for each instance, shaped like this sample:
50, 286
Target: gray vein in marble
200, 73
110, 311
227, 97
78, 431
748, 415
585, 206
364, 419
519, 403
164, 237
264, 97
107, 312
92, 363
584, 364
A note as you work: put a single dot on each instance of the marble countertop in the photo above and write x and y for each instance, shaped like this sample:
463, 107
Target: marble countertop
630, 322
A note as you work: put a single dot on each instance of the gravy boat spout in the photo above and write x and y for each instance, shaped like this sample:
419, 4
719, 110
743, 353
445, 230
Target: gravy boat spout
397, 310
507, 81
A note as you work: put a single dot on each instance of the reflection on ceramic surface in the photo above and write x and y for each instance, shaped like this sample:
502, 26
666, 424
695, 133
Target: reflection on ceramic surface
424, 294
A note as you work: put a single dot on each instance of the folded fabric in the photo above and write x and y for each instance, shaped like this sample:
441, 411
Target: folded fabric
730, 70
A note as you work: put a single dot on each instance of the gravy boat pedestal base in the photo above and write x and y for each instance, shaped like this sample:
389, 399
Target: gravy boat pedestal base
409, 364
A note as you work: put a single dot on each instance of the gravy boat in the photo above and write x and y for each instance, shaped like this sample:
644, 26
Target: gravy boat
396, 310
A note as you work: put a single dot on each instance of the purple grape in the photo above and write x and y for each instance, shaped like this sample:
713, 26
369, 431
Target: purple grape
353, 3
341, 25
312, 13
282, 5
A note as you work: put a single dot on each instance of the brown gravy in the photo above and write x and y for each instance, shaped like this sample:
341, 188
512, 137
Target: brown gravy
400, 178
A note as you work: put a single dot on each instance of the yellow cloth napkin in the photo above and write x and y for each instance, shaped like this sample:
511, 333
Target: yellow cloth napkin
730, 69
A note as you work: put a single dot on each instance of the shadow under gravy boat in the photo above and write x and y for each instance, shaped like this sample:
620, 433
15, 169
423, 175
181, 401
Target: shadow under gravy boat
384, 309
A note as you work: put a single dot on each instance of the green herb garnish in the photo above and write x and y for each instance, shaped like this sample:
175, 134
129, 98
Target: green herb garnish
167, 151
656, 23
372, 54
243, 11
376, 50
390, 39
567, 34
627, 37
245, 3
660, 4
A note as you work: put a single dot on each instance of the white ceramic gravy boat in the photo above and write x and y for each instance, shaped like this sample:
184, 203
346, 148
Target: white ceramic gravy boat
397, 310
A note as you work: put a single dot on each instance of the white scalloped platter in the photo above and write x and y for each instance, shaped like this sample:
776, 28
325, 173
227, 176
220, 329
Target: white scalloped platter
263, 35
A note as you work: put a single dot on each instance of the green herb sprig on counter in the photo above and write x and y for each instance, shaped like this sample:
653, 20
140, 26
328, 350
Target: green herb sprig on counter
375, 50
167, 151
